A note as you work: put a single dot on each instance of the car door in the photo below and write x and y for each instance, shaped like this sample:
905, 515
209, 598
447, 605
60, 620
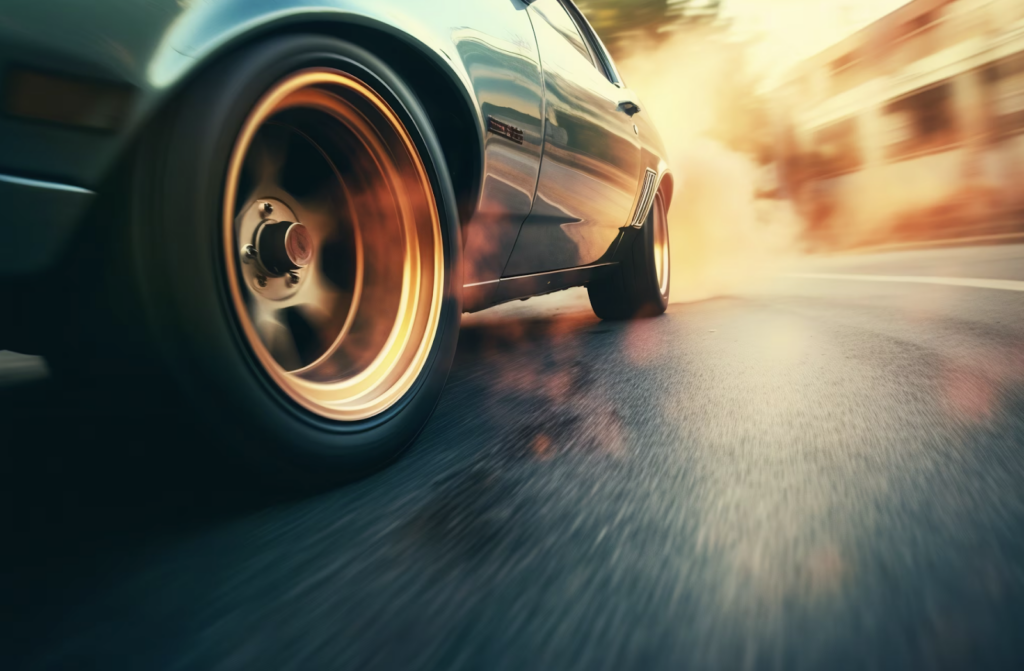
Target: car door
591, 155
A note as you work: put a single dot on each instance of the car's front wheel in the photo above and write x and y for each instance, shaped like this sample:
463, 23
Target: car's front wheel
295, 244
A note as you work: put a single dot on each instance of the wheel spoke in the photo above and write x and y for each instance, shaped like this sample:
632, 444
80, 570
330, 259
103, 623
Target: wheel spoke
318, 301
264, 161
322, 210
278, 339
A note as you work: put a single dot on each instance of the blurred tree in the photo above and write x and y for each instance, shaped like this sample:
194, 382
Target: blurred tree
741, 115
621, 23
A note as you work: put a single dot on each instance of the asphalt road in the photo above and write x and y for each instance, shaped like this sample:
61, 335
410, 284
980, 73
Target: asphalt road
814, 474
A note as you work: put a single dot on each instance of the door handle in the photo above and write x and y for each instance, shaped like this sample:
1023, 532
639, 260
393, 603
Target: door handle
629, 107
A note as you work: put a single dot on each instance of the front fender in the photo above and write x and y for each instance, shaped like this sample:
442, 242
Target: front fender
156, 47
485, 50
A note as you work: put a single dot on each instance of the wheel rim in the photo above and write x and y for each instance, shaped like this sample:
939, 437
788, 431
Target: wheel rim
333, 245
661, 258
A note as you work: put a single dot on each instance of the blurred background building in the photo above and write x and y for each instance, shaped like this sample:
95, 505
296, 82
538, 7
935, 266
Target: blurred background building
912, 128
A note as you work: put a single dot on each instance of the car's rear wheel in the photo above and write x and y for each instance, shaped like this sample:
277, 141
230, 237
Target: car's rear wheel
295, 246
639, 286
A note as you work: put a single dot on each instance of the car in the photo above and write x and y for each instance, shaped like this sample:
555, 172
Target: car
285, 207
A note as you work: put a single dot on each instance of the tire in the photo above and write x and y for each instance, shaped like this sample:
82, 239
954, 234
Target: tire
639, 286
356, 259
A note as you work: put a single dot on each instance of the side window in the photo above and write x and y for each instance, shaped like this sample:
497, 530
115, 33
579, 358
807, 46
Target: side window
556, 15
599, 55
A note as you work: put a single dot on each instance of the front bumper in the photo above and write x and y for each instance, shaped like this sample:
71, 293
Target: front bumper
40, 220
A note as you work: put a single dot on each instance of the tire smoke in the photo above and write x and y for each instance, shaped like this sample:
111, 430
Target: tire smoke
723, 237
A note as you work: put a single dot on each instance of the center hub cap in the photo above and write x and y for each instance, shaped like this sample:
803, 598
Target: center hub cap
284, 246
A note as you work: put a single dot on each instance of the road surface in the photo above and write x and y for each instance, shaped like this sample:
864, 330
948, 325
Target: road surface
823, 472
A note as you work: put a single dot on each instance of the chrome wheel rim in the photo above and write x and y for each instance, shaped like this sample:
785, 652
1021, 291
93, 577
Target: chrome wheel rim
333, 245
661, 257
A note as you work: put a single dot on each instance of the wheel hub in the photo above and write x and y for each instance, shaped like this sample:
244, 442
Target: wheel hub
278, 253
283, 246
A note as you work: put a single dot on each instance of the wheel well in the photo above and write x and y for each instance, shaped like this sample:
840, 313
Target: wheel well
445, 104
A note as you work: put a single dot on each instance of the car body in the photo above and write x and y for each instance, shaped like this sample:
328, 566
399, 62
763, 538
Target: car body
484, 68
511, 156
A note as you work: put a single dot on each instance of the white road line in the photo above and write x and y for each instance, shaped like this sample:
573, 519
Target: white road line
1007, 285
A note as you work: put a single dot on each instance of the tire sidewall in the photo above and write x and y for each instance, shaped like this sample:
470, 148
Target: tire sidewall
178, 239
651, 300
663, 297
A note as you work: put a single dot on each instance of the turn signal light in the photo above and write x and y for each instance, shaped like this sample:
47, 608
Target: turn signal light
69, 101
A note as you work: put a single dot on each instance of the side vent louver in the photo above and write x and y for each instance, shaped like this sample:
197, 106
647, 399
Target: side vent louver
643, 206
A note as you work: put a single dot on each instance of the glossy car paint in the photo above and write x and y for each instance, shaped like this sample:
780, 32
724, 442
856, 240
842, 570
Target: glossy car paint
591, 156
486, 50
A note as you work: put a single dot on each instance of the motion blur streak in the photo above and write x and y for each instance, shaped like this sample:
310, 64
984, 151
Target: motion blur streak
1007, 285
811, 475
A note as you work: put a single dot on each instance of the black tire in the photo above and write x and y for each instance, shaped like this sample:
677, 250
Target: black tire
635, 290
183, 283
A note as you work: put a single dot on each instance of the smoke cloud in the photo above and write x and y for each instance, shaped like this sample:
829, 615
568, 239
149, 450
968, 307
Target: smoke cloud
723, 237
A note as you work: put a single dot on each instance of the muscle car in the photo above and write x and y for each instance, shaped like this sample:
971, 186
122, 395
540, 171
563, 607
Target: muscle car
285, 206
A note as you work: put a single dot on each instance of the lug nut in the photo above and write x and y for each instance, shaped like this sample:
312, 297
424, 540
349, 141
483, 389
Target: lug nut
261, 280
248, 253
267, 208
292, 278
